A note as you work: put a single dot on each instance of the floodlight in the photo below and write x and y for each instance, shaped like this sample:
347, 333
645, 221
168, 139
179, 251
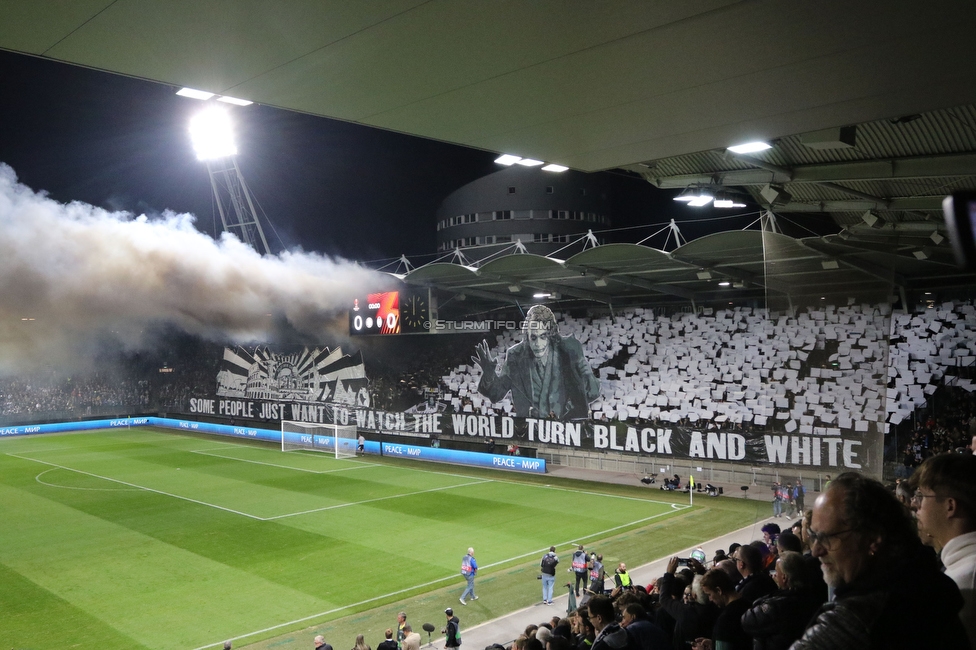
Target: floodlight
529, 162
750, 147
541, 295
194, 94
701, 200
553, 167
727, 203
212, 135
234, 100
507, 159
687, 194
725, 284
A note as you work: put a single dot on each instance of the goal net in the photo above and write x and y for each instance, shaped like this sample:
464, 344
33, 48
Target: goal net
338, 439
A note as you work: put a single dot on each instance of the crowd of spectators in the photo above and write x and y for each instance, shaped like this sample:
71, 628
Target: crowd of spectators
850, 573
860, 569
946, 424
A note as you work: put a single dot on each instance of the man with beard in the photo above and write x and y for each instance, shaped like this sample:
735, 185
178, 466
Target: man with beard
888, 593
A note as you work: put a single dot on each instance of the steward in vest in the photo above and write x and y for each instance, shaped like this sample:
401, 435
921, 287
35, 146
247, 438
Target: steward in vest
622, 579
580, 568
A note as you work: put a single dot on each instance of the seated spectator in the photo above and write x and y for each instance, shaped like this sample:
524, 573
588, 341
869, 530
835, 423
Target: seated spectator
693, 615
945, 508
643, 634
727, 634
609, 635
756, 582
777, 620
888, 593
788, 542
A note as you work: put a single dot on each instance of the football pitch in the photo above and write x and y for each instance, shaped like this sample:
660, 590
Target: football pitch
137, 538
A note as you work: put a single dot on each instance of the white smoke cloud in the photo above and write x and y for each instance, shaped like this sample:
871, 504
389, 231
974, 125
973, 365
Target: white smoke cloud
70, 274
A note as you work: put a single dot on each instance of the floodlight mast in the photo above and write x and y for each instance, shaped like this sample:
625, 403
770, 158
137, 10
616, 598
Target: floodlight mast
213, 141
238, 215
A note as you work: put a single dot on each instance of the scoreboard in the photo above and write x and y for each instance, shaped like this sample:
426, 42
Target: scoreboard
390, 312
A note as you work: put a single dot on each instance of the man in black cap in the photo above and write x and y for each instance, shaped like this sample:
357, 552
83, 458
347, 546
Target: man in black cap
452, 631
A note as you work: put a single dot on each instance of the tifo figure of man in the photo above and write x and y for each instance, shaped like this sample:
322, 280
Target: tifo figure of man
469, 568
548, 567
580, 568
888, 592
945, 509
452, 631
547, 374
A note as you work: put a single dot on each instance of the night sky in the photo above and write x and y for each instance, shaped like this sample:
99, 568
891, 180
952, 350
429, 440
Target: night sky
326, 186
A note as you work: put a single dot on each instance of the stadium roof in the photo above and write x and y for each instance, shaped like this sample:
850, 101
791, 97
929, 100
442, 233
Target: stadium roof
736, 267
590, 86
657, 88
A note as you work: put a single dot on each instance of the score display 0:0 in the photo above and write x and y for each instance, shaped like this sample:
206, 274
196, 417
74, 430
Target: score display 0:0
391, 320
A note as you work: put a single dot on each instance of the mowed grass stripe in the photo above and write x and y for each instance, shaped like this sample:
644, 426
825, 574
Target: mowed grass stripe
231, 484
159, 594
35, 617
397, 543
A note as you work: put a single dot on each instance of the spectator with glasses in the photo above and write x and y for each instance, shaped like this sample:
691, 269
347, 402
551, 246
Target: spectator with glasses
945, 509
888, 593
756, 582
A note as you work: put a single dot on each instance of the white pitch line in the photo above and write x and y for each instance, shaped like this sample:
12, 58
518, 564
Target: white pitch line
426, 471
297, 469
392, 496
420, 586
141, 487
72, 487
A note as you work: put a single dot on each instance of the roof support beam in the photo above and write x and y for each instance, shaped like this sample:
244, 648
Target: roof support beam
865, 170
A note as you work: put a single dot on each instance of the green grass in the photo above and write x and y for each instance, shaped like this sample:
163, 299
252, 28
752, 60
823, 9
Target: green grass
143, 539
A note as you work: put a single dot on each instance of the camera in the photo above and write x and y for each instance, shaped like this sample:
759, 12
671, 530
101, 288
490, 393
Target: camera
683, 561
960, 217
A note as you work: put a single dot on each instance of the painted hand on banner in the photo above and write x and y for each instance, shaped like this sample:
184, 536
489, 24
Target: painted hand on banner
485, 359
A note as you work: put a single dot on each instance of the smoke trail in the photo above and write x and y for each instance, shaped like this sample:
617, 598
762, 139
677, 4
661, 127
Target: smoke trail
70, 274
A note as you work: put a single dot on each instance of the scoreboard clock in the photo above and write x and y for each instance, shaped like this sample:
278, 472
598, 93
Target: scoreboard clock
391, 312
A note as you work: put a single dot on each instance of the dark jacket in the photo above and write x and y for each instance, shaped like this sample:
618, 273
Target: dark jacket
691, 620
777, 620
578, 383
451, 639
614, 638
645, 635
756, 586
900, 606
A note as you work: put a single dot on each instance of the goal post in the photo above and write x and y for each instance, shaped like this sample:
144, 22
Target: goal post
337, 439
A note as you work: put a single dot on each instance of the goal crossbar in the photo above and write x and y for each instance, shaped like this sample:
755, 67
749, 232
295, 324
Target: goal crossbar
337, 439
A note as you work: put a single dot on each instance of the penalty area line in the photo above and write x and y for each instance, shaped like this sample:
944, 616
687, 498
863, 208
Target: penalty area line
204, 452
141, 487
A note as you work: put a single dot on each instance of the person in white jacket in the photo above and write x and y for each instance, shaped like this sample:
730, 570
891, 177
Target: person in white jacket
945, 509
